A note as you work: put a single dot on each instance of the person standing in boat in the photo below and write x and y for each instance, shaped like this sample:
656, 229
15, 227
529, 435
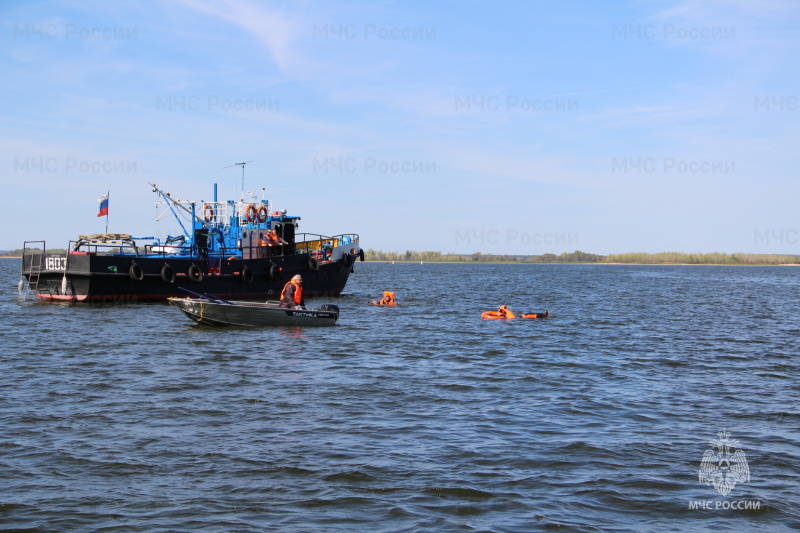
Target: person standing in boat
292, 293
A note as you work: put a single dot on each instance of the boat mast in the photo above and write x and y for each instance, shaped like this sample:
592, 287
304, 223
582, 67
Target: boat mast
242, 165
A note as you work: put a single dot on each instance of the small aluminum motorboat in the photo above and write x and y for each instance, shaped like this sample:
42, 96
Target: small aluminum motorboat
220, 312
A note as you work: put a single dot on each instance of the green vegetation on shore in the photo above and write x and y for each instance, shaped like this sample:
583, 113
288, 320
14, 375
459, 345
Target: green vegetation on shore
662, 258
666, 258
478, 257
18, 252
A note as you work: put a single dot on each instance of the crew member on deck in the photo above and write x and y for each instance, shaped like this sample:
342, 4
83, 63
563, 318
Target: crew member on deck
275, 239
270, 239
264, 243
292, 293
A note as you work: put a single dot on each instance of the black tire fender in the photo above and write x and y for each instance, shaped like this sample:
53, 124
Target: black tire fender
194, 273
135, 272
246, 275
167, 274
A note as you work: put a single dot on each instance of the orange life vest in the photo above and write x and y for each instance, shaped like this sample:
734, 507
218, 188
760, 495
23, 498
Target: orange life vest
388, 299
298, 292
503, 312
506, 311
269, 238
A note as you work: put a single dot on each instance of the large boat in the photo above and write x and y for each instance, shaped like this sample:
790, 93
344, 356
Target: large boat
223, 251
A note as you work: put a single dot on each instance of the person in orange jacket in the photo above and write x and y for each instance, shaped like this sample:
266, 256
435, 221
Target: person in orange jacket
292, 293
387, 300
503, 312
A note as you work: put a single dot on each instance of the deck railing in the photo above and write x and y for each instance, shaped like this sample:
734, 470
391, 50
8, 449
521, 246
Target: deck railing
305, 243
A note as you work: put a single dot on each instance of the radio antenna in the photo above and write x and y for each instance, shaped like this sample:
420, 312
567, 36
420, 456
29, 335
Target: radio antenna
242, 165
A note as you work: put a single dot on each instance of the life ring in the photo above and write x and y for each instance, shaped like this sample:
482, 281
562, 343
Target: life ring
135, 272
251, 213
313, 264
246, 275
194, 273
262, 214
348, 259
167, 274
208, 212
274, 272
361, 254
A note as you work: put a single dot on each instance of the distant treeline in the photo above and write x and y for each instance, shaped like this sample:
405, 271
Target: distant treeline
478, 257
663, 258
703, 259
18, 251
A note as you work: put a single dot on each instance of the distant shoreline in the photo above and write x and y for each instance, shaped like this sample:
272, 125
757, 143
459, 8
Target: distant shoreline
520, 261
598, 263
579, 257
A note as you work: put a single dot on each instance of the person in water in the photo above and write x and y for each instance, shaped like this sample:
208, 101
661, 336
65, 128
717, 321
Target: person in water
505, 312
387, 300
292, 293
546, 314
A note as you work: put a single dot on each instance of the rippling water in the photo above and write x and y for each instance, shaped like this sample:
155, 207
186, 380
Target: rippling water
421, 417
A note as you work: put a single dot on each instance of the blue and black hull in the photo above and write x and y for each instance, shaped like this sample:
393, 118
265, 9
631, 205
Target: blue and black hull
86, 277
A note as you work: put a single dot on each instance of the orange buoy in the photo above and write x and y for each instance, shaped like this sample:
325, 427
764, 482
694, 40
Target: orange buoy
208, 212
262, 214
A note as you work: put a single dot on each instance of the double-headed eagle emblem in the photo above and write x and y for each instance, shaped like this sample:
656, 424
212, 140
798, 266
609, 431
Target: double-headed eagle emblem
722, 468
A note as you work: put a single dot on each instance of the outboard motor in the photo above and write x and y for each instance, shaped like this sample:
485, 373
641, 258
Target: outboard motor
329, 307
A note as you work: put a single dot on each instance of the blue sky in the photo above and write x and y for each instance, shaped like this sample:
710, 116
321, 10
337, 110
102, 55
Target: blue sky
501, 127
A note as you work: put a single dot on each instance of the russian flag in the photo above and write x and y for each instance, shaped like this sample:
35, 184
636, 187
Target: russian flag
103, 206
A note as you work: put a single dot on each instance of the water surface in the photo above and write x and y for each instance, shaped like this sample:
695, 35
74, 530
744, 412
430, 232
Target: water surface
421, 417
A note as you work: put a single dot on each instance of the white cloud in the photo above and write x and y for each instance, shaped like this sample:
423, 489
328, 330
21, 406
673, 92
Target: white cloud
275, 30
